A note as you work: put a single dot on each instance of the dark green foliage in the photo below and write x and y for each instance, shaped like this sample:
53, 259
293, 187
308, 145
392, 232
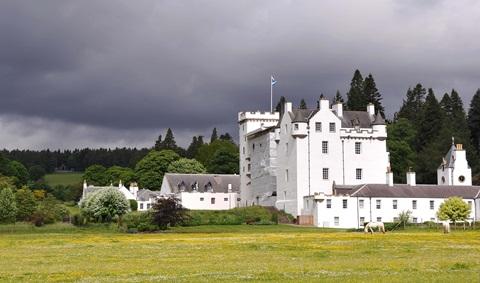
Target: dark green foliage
412, 108
139, 222
192, 149
115, 174
338, 98
214, 135
26, 204
8, 207
67, 192
19, 172
96, 175
432, 121
78, 219
133, 205
48, 211
372, 95
356, 100
474, 120
186, 166
223, 161
168, 212
36, 172
401, 137
303, 104
206, 151
226, 137
150, 170
280, 104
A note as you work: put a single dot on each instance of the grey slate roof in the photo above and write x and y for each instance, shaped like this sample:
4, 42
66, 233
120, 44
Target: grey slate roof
218, 182
378, 120
302, 115
145, 195
407, 191
90, 189
352, 118
449, 159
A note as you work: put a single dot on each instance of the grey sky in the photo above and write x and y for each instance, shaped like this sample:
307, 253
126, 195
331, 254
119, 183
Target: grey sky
117, 73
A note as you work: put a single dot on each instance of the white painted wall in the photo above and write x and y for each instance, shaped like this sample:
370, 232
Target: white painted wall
203, 201
350, 217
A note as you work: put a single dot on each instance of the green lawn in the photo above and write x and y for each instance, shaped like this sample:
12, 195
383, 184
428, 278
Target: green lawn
64, 178
65, 253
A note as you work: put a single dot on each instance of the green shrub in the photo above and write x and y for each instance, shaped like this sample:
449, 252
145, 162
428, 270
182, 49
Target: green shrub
242, 215
139, 221
133, 205
78, 220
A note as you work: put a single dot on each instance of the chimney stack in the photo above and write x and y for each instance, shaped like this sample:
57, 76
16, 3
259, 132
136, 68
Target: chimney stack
324, 103
338, 108
411, 178
371, 109
229, 188
288, 107
389, 178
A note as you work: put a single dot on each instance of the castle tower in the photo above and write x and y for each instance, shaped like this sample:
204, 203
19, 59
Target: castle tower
454, 170
248, 123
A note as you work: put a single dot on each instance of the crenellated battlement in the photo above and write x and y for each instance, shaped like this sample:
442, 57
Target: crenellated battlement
258, 115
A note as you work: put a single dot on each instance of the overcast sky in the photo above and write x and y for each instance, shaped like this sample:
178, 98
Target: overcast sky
117, 73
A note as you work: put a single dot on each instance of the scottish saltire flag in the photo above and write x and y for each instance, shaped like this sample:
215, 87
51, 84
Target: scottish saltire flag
273, 80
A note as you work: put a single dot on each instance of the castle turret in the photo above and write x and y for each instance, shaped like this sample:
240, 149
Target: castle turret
454, 169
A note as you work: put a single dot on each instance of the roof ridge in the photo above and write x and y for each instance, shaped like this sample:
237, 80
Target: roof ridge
358, 190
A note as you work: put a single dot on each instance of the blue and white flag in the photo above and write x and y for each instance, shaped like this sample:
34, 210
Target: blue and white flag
273, 80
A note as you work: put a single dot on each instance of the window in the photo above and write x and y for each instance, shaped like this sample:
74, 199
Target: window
394, 203
358, 147
362, 221
325, 173
212, 200
470, 204
345, 203
201, 199
329, 203
358, 173
414, 220
239, 199
361, 203
243, 149
396, 219
286, 128
225, 199
461, 179
296, 126
141, 206
149, 205
378, 204
318, 127
332, 127
336, 220
432, 204
286, 147
286, 175
253, 147
432, 219
414, 204
324, 146
379, 219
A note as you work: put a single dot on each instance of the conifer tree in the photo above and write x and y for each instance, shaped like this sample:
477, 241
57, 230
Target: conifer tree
214, 136
303, 104
158, 143
192, 148
446, 104
280, 104
169, 142
474, 120
338, 98
413, 105
432, 121
372, 95
226, 137
356, 98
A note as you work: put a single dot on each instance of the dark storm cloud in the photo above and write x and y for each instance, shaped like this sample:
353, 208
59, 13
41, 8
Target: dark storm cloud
119, 71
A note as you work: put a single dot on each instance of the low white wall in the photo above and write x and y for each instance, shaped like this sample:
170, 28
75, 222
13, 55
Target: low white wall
203, 201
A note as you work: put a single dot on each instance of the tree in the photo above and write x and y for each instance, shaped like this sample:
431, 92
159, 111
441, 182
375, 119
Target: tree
401, 137
303, 104
446, 104
8, 207
453, 209
168, 212
412, 107
338, 98
214, 135
20, 172
474, 120
26, 204
206, 151
186, 166
115, 174
151, 168
158, 143
96, 175
133, 205
226, 137
36, 172
432, 121
169, 142
404, 217
372, 95
223, 162
104, 205
280, 104
356, 99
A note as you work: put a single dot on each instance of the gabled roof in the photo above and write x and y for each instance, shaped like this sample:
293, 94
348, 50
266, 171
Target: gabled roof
449, 159
145, 195
302, 115
350, 119
378, 120
407, 191
218, 183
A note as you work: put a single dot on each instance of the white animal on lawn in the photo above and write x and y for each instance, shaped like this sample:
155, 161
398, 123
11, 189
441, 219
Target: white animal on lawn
446, 227
371, 225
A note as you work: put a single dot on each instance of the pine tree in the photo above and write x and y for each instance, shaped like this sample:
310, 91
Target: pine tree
338, 98
303, 104
169, 142
432, 121
192, 148
214, 136
413, 105
474, 120
226, 137
372, 95
158, 143
280, 104
356, 98
446, 104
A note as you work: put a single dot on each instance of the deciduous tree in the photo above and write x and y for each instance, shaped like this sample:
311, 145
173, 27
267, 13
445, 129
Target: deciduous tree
8, 207
454, 209
150, 170
186, 166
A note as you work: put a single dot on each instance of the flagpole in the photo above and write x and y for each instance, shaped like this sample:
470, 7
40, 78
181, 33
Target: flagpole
271, 95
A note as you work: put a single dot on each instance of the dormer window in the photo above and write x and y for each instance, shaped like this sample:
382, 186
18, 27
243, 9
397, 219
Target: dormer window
296, 127
195, 186
182, 186
208, 187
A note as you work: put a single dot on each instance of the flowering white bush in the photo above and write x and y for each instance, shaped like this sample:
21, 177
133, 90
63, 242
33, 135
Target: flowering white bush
105, 204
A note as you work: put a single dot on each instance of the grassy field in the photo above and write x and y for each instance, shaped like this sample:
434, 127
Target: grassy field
63, 178
64, 253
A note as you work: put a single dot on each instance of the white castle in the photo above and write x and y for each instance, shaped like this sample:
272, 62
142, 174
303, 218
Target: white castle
302, 160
